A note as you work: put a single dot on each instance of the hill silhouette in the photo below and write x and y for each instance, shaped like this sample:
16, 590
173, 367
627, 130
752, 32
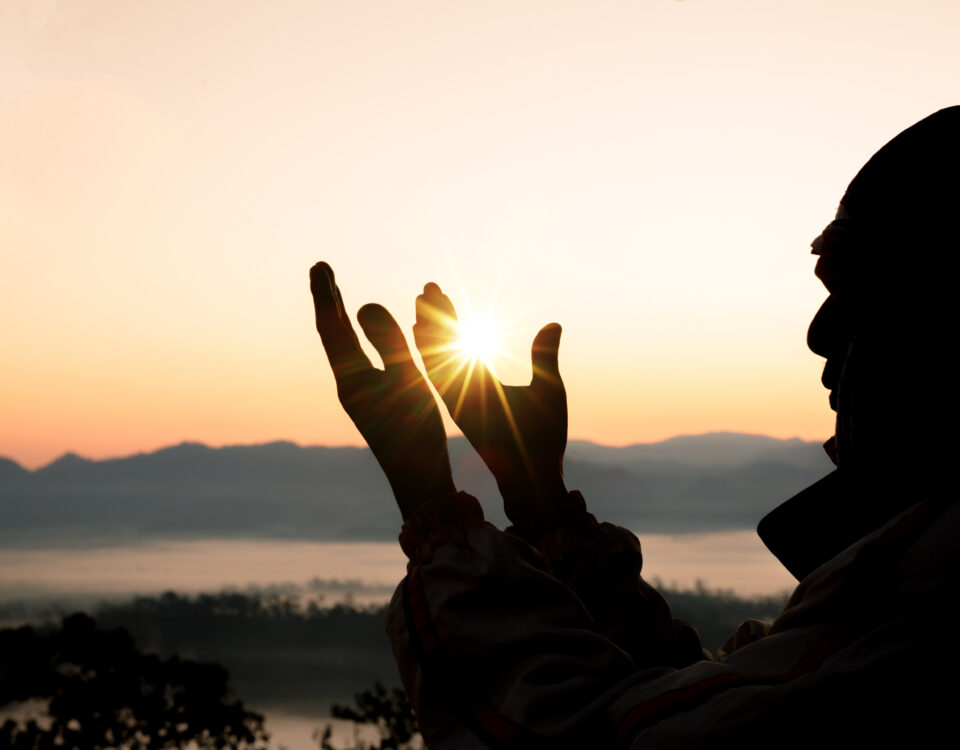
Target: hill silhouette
718, 481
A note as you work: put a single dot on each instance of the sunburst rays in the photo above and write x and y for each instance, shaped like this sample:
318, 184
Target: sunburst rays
462, 357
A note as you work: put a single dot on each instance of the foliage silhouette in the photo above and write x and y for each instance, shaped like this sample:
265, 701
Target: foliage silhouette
283, 651
103, 692
716, 613
389, 712
287, 651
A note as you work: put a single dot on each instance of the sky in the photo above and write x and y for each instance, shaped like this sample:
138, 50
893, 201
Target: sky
649, 174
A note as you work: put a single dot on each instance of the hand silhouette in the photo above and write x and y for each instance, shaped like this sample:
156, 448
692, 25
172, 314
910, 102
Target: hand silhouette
520, 432
393, 408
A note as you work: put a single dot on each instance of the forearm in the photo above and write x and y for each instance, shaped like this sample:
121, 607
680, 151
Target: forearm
486, 638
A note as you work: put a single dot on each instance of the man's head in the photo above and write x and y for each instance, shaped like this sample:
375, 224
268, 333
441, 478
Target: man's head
890, 262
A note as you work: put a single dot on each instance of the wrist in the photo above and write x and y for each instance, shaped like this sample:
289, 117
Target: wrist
410, 498
543, 493
436, 521
543, 483
542, 504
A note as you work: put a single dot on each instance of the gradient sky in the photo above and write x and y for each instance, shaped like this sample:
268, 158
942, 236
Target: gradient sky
647, 173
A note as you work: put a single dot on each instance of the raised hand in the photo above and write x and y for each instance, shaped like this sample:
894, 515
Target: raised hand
519, 431
393, 408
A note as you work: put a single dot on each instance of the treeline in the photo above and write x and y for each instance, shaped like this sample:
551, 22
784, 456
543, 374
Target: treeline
282, 651
241, 620
287, 651
716, 614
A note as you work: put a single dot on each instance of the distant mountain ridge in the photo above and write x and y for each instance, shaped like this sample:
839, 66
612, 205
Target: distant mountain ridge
709, 449
282, 490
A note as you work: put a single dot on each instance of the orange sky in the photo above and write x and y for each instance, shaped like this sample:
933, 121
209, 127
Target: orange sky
649, 174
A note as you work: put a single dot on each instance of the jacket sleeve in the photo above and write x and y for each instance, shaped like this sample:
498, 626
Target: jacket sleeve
492, 648
495, 652
601, 564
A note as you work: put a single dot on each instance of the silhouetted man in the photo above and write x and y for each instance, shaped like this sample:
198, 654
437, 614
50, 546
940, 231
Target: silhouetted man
546, 636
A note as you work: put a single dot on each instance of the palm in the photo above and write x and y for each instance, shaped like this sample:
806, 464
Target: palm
519, 431
393, 408
394, 411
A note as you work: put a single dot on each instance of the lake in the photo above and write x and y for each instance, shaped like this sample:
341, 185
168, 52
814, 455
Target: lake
735, 560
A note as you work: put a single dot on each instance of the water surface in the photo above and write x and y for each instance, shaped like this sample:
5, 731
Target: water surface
735, 560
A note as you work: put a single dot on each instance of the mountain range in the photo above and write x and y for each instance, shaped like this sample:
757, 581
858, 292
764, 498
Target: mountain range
280, 490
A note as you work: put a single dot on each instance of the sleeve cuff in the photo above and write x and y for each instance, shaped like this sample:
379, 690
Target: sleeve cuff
435, 521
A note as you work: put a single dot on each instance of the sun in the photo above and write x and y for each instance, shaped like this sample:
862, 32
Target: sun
479, 338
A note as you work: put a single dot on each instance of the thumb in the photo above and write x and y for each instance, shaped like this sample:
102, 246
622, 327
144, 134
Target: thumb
543, 353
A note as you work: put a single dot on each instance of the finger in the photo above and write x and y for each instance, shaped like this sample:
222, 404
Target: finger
544, 354
436, 333
339, 339
384, 333
436, 326
435, 311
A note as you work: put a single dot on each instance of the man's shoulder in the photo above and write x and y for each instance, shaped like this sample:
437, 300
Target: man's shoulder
867, 629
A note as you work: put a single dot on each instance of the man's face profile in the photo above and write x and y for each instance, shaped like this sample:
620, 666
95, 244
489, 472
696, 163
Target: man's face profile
831, 332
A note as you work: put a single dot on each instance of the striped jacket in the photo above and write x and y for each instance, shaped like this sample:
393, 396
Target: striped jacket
499, 645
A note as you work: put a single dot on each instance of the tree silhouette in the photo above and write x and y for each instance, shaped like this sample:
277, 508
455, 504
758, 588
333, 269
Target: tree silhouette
389, 712
103, 693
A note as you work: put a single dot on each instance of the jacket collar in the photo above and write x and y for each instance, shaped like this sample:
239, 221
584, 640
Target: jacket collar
824, 519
